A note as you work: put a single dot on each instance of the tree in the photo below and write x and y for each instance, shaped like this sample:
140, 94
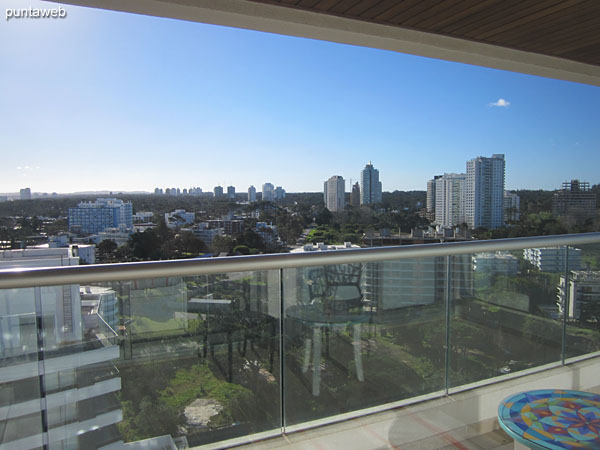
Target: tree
323, 217
107, 250
146, 245
222, 244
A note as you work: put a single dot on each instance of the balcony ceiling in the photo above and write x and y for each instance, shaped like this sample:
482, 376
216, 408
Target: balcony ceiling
568, 29
552, 38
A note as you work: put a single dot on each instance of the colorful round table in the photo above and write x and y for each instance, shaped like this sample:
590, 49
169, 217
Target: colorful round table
552, 419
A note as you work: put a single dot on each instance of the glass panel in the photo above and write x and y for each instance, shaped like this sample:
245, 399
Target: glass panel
79, 351
509, 321
200, 357
190, 360
583, 310
20, 416
360, 335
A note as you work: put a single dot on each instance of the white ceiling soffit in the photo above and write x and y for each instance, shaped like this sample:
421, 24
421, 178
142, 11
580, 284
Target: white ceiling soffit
292, 22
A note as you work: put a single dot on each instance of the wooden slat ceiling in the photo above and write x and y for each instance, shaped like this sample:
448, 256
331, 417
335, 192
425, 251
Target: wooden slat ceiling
568, 29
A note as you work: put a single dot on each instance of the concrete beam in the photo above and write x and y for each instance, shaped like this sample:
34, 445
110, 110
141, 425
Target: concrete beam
292, 22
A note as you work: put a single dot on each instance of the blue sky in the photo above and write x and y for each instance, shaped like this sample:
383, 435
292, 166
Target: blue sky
106, 100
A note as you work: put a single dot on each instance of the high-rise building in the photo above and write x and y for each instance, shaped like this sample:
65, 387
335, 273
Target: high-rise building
430, 209
231, 192
279, 193
450, 199
512, 206
370, 186
251, 194
335, 190
25, 194
484, 205
94, 217
355, 196
268, 192
218, 190
575, 201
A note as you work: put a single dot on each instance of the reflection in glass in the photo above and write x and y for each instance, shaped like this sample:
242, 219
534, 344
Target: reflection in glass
508, 324
578, 299
359, 335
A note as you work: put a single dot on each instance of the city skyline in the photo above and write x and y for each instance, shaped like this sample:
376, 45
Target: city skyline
234, 107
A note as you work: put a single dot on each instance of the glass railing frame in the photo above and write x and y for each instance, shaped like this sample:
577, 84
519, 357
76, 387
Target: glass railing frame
36, 277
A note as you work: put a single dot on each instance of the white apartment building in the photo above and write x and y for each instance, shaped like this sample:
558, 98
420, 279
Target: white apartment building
94, 217
450, 199
484, 189
552, 259
334, 192
179, 217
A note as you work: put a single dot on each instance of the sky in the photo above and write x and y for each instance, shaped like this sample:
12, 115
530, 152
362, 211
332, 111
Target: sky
102, 100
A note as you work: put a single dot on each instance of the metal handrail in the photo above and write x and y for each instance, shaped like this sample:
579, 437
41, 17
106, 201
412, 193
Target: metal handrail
29, 277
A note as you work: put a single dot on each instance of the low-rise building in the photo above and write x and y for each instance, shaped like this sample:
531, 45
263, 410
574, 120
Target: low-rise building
495, 263
114, 234
231, 227
267, 232
552, 259
141, 227
143, 216
205, 233
179, 217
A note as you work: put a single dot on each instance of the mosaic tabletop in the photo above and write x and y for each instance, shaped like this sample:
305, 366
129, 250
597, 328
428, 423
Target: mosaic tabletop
552, 419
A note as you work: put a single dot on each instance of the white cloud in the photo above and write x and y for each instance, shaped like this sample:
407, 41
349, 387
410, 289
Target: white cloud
501, 103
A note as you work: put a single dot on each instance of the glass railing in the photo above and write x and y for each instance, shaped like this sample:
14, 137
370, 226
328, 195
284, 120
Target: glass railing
196, 352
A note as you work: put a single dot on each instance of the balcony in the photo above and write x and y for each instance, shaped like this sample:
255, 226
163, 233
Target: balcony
397, 346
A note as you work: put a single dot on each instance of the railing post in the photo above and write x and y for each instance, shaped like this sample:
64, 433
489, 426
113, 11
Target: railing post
565, 307
281, 352
447, 300
41, 364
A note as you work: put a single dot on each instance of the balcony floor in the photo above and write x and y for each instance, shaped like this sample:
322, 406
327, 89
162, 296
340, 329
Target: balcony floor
465, 420
412, 428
